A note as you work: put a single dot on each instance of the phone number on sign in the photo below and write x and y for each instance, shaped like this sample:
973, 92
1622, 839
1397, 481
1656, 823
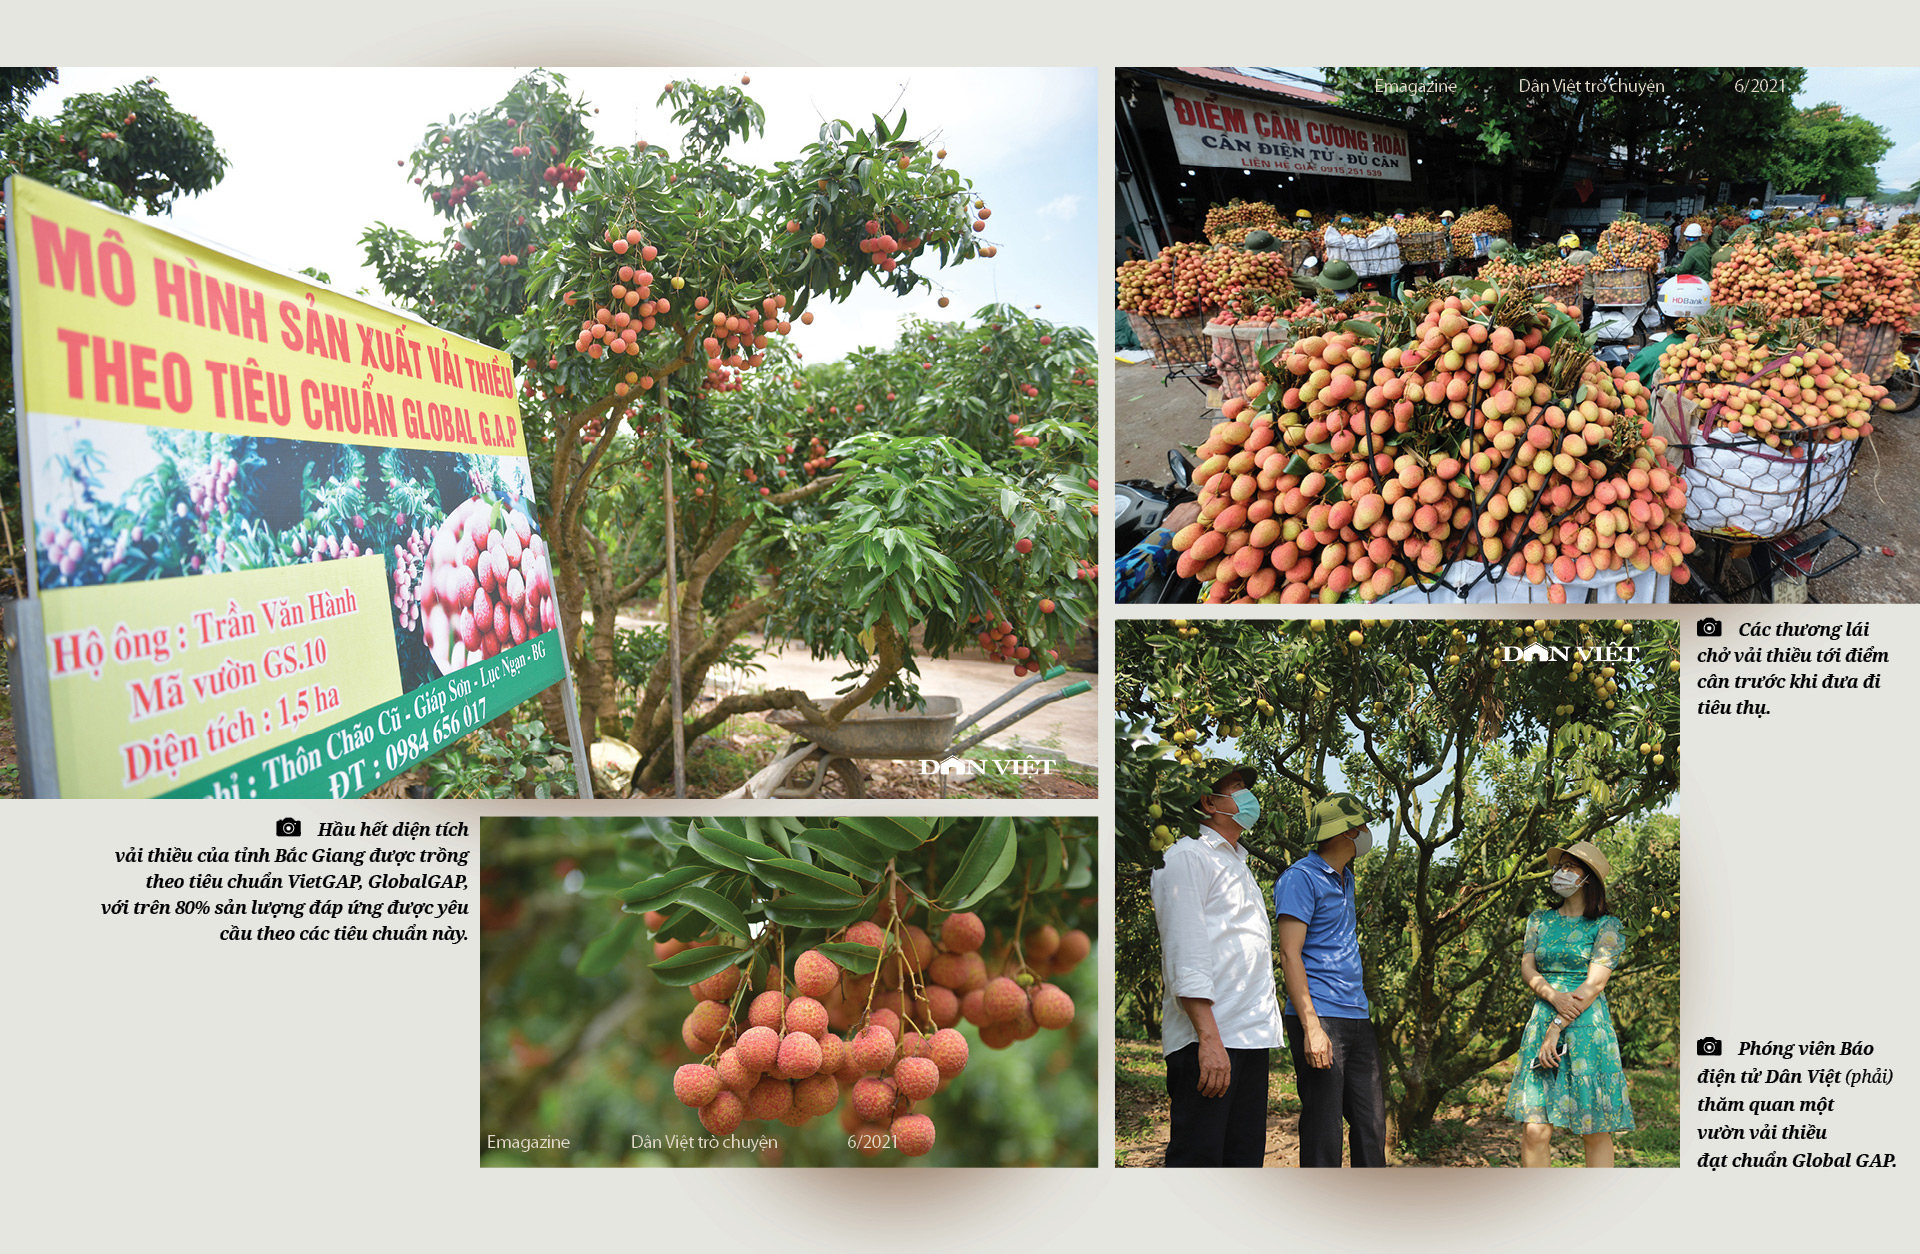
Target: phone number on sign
450, 726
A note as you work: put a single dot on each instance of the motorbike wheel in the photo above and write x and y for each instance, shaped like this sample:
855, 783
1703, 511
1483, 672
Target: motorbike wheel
1903, 389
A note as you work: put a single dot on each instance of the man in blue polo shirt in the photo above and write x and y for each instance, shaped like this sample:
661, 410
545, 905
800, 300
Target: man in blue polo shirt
1336, 1061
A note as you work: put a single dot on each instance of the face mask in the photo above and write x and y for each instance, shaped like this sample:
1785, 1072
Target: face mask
1247, 807
1566, 883
1362, 841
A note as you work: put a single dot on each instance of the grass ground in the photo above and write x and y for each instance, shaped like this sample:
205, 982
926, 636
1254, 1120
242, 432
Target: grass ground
1469, 1130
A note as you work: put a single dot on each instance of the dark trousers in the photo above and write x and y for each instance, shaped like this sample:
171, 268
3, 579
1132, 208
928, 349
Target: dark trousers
1225, 1131
1349, 1090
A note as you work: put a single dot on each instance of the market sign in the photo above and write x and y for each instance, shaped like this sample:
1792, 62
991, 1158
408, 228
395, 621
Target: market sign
284, 541
1209, 129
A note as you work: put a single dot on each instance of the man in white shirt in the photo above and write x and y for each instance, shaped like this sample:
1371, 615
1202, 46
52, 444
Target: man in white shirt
1221, 1015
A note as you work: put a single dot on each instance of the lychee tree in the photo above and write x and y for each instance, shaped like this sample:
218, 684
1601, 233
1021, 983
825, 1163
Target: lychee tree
865, 967
844, 506
1472, 765
127, 149
641, 290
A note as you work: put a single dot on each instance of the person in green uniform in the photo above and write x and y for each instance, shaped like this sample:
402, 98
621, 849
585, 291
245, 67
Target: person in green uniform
1569, 1074
1646, 362
1679, 299
1698, 259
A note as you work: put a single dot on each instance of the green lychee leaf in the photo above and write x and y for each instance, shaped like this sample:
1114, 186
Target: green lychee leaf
605, 952
693, 965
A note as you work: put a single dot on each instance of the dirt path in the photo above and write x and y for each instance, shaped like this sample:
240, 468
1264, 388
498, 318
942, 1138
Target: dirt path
1151, 416
1066, 727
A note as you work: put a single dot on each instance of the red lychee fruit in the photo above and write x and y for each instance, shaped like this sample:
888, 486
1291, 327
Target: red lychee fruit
816, 1095
1004, 999
815, 974
1041, 943
866, 933
997, 1035
873, 1049
734, 1073
919, 945
696, 1084
976, 973
770, 1099
947, 970
1052, 1007
1023, 1023
766, 1010
913, 1135
947, 1049
962, 933
943, 1006
917, 1077
833, 1054
888, 1019
1075, 945
873, 1098
759, 1049
800, 1055
804, 1014
973, 1007
707, 1022
722, 1115
720, 986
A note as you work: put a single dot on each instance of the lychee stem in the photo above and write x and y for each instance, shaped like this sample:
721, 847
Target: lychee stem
1019, 928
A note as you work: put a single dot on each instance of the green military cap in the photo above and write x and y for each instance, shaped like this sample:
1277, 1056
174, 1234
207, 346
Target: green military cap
1341, 812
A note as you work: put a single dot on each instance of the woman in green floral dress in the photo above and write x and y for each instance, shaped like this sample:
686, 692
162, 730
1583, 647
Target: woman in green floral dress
1569, 1074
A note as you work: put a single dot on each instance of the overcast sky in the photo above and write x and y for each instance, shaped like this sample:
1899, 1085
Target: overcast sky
313, 157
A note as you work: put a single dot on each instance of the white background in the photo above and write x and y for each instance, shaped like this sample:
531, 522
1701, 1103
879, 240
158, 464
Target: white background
168, 1092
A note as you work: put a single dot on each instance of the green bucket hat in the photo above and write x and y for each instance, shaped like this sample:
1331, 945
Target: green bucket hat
1216, 769
1341, 812
1337, 277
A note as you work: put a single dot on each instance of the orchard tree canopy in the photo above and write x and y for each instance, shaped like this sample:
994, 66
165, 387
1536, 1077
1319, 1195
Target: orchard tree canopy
1694, 126
1823, 149
1472, 765
646, 294
129, 150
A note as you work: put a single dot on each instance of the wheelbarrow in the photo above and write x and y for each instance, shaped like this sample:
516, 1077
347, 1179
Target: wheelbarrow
933, 731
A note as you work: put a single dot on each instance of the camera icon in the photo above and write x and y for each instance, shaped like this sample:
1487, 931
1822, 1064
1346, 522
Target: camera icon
1707, 627
287, 827
1708, 1046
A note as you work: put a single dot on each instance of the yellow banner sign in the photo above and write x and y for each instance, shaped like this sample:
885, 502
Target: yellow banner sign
127, 322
